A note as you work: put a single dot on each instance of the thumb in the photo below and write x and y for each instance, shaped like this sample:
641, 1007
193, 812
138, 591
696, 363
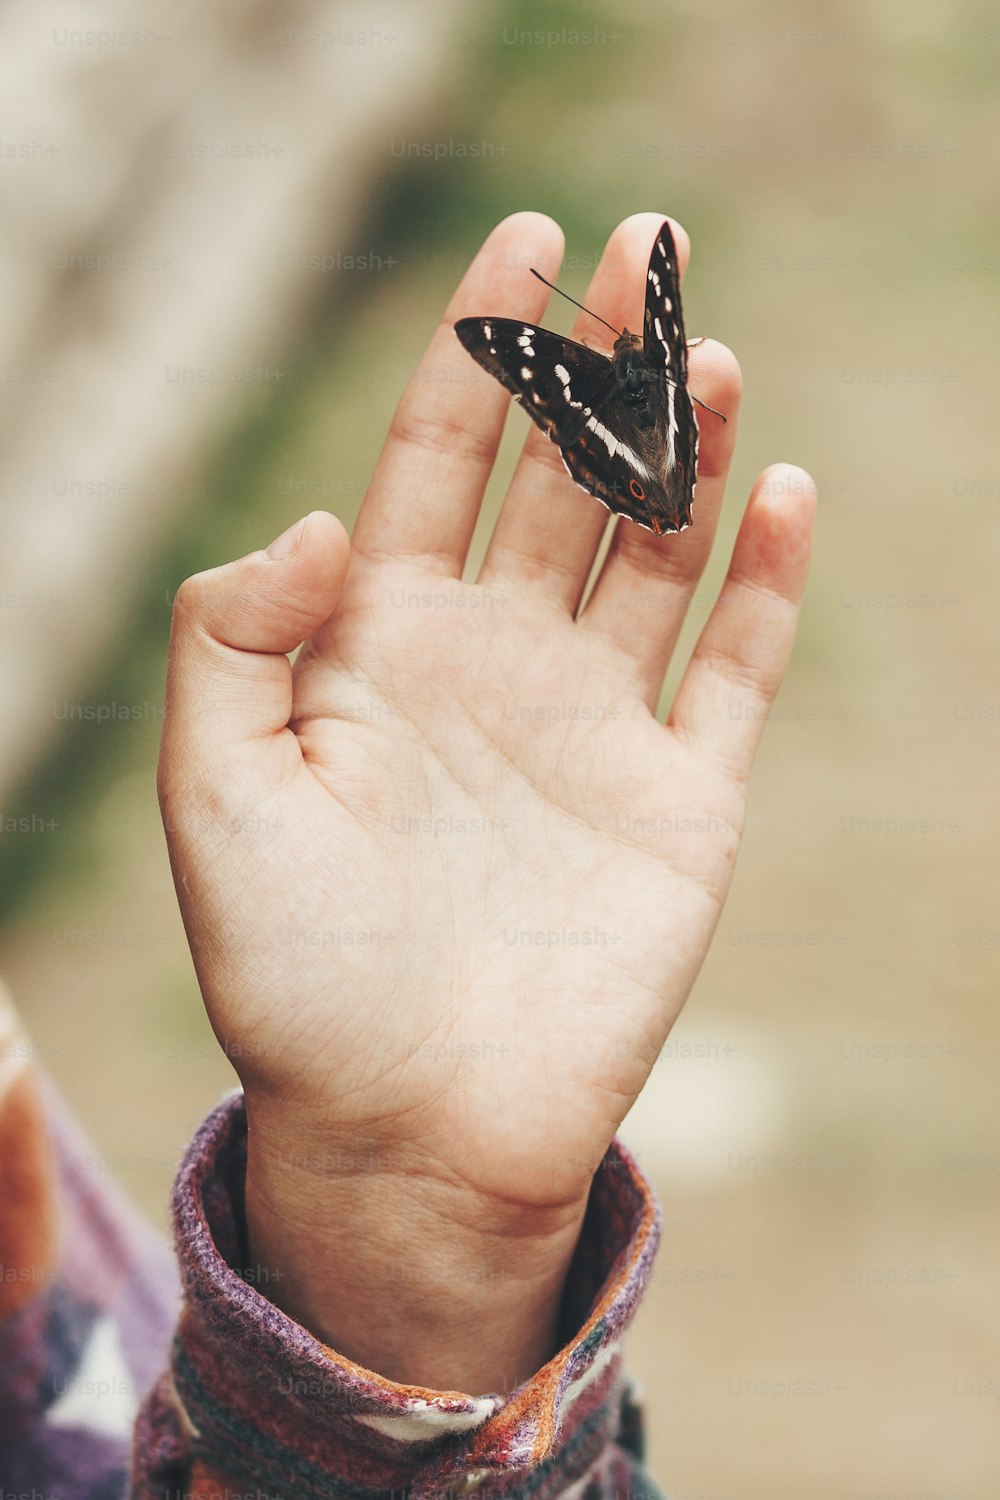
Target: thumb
229, 680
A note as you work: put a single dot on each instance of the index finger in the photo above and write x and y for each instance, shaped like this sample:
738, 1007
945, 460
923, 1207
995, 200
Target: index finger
425, 494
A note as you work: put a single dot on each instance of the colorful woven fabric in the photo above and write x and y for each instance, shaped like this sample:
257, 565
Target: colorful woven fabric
251, 1406
88, 1300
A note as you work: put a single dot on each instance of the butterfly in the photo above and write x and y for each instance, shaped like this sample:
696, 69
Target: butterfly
625, 426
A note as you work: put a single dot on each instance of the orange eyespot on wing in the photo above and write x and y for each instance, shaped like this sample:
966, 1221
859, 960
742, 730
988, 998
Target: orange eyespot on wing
637, 489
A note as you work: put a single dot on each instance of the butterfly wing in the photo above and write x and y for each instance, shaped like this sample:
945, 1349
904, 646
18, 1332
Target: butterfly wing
664, 344
672, 443
624, 466
566, 389
652, 469
557, 381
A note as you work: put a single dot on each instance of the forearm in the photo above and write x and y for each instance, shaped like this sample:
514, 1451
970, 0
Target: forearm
413, 1277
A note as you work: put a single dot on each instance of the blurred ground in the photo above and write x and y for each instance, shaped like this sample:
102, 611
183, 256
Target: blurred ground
824, 1319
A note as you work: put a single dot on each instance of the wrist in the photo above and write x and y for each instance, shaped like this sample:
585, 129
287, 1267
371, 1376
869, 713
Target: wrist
413, 1275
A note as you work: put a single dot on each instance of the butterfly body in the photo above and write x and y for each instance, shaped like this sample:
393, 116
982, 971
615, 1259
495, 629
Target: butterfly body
624, 424
637, 379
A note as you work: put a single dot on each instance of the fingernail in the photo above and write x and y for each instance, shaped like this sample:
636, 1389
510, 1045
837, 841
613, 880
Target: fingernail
284, 545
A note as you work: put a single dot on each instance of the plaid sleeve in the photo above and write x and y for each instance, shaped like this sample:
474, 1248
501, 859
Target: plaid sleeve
252, 1404
88, 1298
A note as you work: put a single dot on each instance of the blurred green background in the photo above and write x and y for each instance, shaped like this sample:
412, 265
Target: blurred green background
824, 1129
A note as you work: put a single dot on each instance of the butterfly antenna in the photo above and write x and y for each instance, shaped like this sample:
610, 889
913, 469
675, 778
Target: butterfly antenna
706, 406
580, 305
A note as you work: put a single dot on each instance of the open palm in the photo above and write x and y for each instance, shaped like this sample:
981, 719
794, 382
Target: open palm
449, 882
516, 871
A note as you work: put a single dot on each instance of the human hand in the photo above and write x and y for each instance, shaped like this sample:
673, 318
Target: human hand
448, 882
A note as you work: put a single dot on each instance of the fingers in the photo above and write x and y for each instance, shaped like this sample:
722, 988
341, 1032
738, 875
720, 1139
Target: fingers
229, 680
427, 488
738, 663
641, 596
548, 531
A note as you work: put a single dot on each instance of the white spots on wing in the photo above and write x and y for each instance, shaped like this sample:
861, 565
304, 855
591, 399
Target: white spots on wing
562, 375
668, 306
488, 332
493, 349
667, 348
672, 428
615, 446
654, 278
524, 342
634, 461
526, 372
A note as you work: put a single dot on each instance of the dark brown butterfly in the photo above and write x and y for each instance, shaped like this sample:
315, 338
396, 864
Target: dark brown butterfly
625, 426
